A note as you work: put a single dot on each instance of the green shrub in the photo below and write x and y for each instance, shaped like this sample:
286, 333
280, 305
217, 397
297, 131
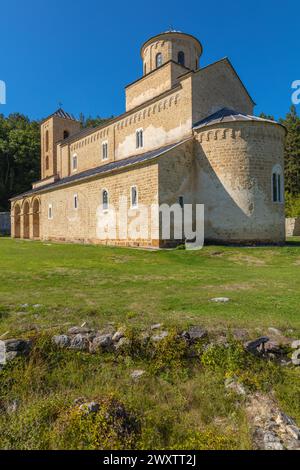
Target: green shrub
111, 428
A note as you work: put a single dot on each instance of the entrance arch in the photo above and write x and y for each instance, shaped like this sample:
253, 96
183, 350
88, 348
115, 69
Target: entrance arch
17, 221
26, 220
36, 218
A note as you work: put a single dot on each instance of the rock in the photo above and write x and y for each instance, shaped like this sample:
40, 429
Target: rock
296, 357
37, 305
13, 348
76, 330
295, 344
252, 346
102, 343
272, 442
156, 326
20, 345
232, 384
220, 299
160, 336
274, 331
136, 374
62, 341
80, 343
196, 333
293, 430
272, 347
91, 407
283, 419
123, 344
118, 335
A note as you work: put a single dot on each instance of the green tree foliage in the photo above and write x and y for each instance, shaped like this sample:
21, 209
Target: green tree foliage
292, 152
19, 156
93, 122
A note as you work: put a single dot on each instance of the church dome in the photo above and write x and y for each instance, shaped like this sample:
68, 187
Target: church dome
179, 47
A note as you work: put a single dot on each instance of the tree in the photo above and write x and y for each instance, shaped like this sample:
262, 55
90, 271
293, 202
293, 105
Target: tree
19, 156
292, 152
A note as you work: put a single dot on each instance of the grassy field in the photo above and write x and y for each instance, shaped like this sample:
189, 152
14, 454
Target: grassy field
76, 283
179, 403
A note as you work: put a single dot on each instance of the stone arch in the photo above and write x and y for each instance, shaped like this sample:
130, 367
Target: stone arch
17, 221
26, 226
36, 218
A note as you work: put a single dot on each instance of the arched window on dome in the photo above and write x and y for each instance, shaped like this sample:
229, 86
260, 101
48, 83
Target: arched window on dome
277, 184
180, 58
47, 163
158, 59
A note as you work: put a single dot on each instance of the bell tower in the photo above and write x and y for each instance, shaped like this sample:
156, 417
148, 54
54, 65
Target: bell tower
55, 128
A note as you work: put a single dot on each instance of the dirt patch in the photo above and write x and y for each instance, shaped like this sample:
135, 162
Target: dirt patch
249, 260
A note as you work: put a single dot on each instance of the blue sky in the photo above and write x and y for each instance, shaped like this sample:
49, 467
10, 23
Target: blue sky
83, 53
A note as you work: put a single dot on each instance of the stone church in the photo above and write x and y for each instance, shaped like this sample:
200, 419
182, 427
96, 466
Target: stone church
188, 135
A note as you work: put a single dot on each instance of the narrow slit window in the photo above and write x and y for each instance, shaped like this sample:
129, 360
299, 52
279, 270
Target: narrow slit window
180, 58
277, 184
158, 59
50, 212
105, 200
104, 151
134, 197
75, 201
74, 162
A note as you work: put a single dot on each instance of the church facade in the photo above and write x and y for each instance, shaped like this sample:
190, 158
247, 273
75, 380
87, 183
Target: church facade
188, 136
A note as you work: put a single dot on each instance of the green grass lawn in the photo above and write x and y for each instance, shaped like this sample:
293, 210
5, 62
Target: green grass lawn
76, 283
180, 402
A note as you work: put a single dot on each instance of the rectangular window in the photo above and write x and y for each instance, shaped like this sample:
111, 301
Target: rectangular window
50, 212
139, 138
134, 197
75, 201
104, 151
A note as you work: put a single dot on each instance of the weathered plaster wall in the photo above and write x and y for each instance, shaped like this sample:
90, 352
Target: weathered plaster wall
166, 120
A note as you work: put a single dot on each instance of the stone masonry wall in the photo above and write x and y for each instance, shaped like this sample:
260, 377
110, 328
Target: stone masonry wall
235, 162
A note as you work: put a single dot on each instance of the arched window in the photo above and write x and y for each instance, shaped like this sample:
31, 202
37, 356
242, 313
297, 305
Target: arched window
145, 68
105, 201
180, 58
139, 138
277, 184
158, 59
66, 134
47, 141
47, 163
